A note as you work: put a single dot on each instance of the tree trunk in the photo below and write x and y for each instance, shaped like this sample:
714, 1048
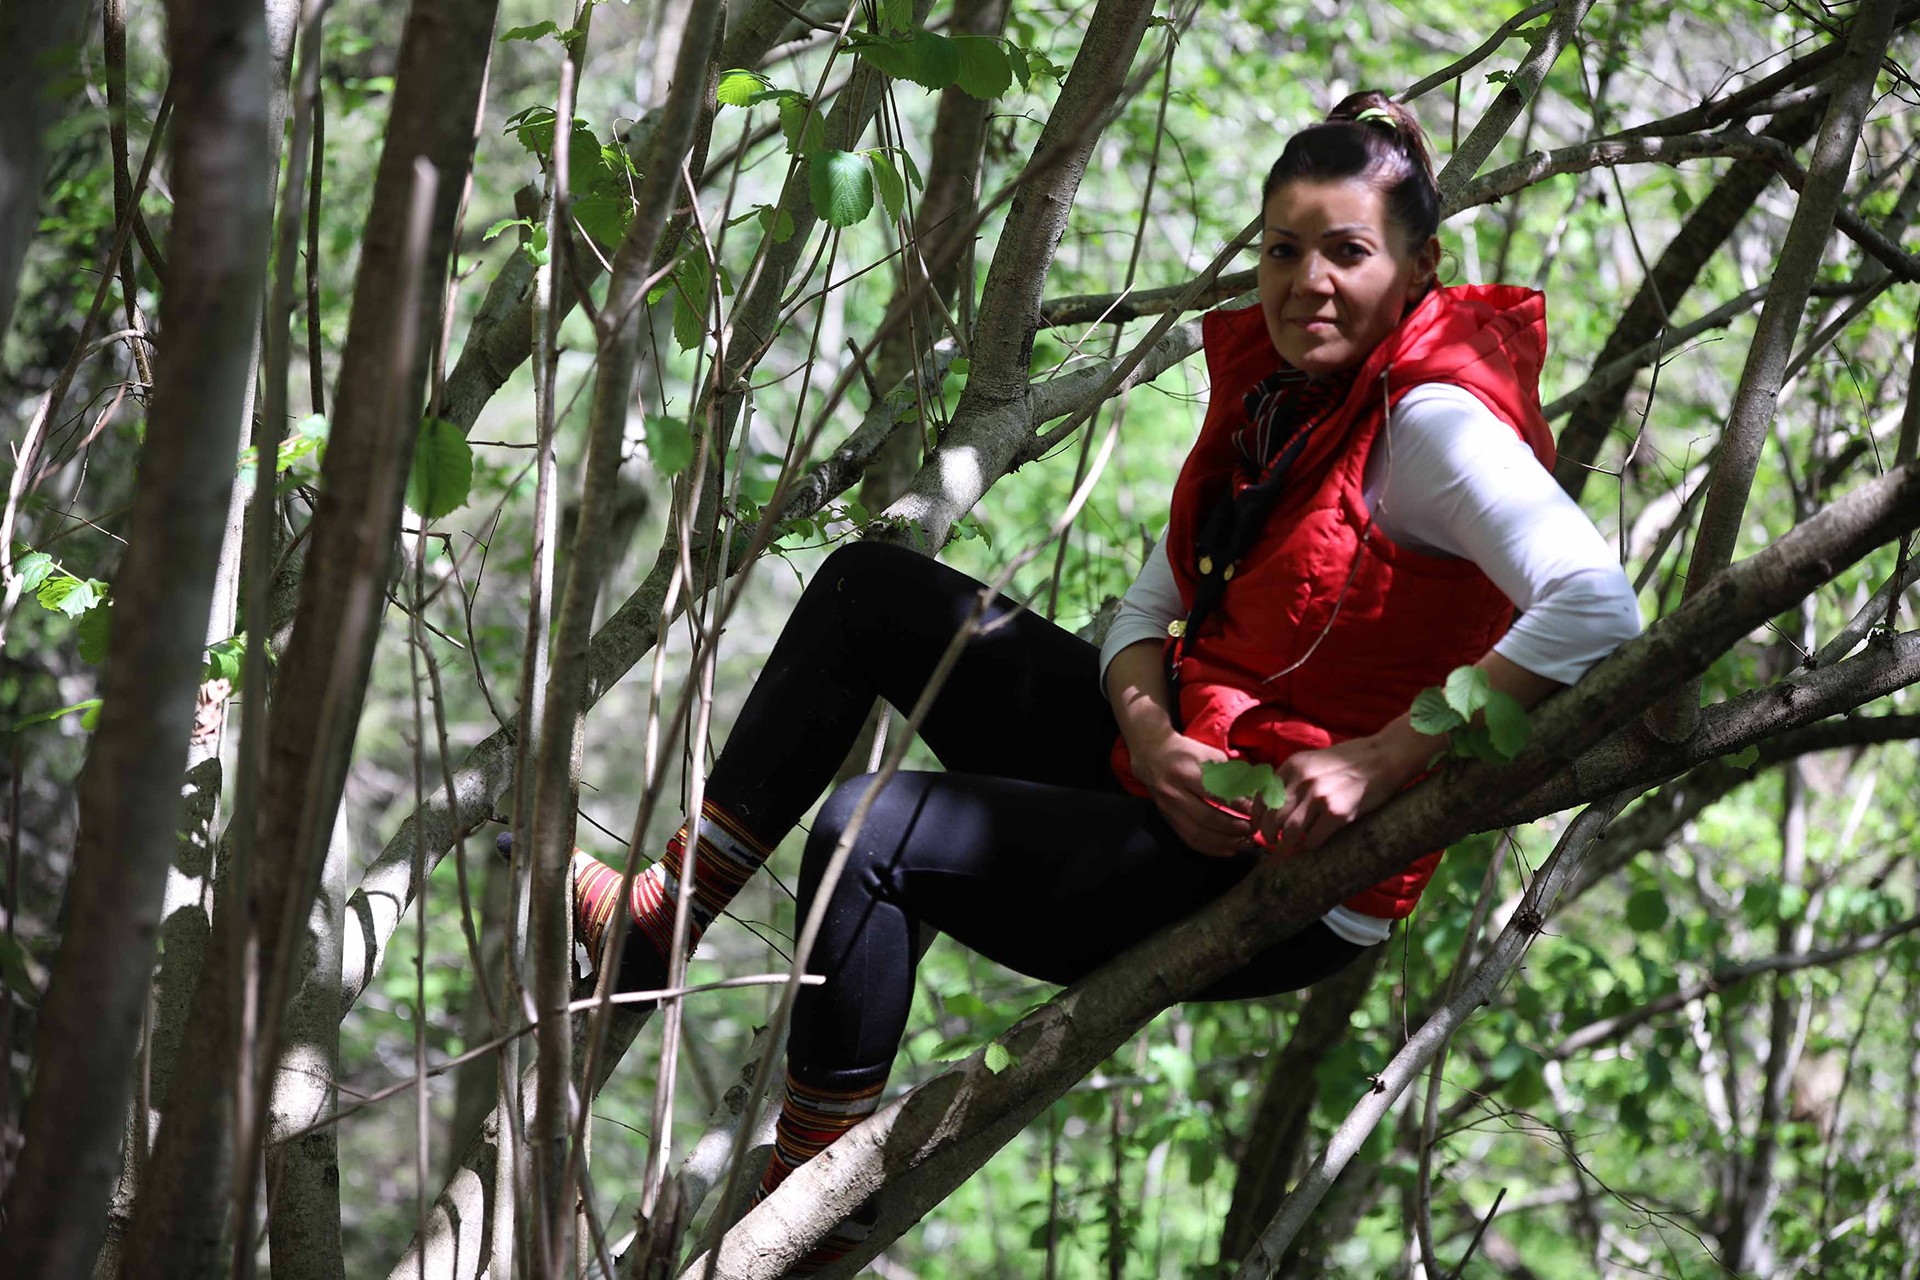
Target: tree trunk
39, 43
130, 794
178, 1223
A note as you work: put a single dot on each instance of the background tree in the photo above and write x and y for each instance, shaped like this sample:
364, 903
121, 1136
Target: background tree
729, 283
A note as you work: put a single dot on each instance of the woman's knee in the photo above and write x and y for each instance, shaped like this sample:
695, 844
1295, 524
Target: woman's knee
854, 565
876, 834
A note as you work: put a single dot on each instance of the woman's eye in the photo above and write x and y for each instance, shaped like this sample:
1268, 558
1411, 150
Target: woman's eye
1279, 251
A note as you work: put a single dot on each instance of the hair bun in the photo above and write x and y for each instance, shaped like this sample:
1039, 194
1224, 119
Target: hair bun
1372, 107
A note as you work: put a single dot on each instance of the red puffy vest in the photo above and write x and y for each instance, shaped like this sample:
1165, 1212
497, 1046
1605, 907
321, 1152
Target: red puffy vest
1329, 629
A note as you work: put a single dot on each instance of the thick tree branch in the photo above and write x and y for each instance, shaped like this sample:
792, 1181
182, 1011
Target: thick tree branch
924, 1144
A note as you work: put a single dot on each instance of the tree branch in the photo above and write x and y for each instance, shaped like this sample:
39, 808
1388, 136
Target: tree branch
923, 1145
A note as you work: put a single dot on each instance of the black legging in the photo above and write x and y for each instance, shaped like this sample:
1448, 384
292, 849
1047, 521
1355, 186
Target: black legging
1027, 850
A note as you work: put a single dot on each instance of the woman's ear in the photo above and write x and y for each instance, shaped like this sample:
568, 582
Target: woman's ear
1426, 264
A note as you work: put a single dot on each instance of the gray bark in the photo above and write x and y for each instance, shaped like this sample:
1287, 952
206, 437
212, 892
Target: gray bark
303, 1176
926, 1143
130, 793
179, 1221
38, 39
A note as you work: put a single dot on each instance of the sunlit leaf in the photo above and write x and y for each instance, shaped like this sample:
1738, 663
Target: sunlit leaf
842, 186
1467, 690
805, 131
739, 87
33, 569
1431, 713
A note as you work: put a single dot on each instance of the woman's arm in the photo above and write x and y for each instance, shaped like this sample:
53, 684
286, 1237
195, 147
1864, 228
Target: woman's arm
1452, 479
1329, 788
1166, 761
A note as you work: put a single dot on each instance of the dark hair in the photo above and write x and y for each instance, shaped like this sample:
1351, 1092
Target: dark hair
1386, 148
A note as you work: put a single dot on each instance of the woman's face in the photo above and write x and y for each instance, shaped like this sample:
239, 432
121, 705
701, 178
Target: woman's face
1335, 274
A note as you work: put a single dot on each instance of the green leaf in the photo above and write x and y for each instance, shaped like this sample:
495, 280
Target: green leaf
1744, 759
442, 470
936, 63
1508, 1062
893, 192
227, 659
806, 132
893, 57
1528, 1087
897, 15
70, 595
1467, 690
96, 626
1647, 910
739, 87
1242, 780
842, 186
777, 222
603, 215
997, 1058
670, 445
981, 67
33, 568
1431, 714
692, 287
534, 32
1017, 62
1507, 723
18, 971
505, 223
88, 710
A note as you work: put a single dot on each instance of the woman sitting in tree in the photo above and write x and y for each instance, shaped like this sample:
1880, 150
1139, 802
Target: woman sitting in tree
1367, 504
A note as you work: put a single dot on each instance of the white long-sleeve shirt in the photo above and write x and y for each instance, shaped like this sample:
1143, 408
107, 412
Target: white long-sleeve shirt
1449, 478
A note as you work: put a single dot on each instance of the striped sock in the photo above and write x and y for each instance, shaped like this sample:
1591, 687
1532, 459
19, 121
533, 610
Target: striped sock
810, 1121
727, 857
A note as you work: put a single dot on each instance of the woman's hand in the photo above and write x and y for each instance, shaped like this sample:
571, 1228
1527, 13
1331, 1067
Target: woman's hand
1329, 788
1170, 770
